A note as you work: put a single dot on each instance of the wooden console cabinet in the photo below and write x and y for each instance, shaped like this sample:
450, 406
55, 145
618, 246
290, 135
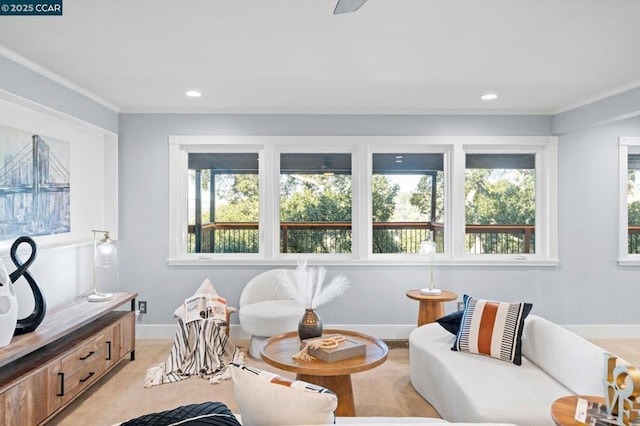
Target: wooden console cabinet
43, 371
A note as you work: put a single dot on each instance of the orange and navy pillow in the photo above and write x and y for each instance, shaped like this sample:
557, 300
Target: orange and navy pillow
492, 328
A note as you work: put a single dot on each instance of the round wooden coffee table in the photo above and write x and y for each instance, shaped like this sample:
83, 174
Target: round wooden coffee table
563, 410
431, 307
336, 376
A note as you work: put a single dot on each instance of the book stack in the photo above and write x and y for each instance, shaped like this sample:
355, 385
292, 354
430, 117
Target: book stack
348, 348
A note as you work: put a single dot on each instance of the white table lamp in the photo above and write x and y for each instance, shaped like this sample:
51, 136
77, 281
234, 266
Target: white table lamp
105, 255
428, 248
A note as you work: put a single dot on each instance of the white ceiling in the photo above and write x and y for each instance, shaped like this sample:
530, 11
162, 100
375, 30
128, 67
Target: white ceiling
295, 56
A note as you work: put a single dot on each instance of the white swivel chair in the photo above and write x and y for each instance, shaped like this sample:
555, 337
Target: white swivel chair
266, 310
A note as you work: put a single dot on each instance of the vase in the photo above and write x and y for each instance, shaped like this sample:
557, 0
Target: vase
310, 325
8, 307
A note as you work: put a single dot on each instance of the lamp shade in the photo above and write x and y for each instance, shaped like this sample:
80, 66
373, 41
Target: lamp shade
106, 254
427, 247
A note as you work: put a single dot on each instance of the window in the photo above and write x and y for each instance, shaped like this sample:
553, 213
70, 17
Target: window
223, 203
500, 203
315, 203
633, 204
407, 201
629, 236
273, 200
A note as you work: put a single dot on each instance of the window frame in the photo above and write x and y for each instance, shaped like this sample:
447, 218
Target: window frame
626, 146
436, 146
545, 205
179, 149
291, 147
362, 148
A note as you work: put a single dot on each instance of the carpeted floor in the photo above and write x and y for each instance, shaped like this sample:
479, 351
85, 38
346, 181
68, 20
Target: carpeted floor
120, 395
383, 391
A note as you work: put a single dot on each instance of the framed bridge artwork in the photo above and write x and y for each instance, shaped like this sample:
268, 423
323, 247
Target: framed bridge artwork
34, 184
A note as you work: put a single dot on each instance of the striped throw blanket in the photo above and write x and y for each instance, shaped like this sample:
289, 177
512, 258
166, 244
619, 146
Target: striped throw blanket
198, 349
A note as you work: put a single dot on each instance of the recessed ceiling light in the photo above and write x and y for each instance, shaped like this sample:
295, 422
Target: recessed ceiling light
489, 96
193, 93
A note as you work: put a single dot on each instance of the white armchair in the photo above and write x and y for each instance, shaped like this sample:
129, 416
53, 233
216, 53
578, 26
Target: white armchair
266, 310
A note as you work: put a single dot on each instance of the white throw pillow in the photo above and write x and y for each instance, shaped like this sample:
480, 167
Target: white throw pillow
267, 399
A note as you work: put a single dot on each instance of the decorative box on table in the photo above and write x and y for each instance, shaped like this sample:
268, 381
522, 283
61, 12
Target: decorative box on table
348, 348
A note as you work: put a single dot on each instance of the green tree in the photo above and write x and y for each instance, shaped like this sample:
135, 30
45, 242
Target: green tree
633, 213
421, 197
315, 198
240, 193
500, 197
383, 195
634, 206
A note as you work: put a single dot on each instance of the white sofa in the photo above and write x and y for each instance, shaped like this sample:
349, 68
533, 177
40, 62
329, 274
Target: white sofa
392, 421
416, 421
466, 387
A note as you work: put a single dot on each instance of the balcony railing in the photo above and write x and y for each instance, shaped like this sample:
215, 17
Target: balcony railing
633, 240
336, 237
500, 239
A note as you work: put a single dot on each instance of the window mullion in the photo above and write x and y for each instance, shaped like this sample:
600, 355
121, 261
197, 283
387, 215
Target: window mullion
623, 244
270, 201
362, 222
456, 210
546, 202
178, 176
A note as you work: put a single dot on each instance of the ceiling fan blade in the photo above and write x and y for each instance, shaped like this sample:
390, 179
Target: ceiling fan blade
347, 6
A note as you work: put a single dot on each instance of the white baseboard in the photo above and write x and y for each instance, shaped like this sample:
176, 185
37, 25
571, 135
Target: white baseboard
381, 331
401, 331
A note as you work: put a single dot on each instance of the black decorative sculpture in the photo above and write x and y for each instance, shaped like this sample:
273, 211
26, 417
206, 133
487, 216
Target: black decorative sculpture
31, 322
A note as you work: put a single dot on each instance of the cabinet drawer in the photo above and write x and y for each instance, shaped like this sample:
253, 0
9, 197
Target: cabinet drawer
85, 364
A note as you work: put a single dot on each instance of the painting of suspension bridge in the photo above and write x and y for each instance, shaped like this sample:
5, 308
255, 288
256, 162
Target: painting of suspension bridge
34, 185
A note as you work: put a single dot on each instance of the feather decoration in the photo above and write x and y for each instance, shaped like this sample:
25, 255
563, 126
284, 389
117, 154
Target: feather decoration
295, 284
336, 287
307, 285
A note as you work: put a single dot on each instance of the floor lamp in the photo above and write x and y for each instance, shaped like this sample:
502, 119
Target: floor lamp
105, 255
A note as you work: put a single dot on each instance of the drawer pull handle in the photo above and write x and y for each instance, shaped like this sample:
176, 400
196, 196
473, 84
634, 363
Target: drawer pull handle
61, 393
88, 377
108, 350
82, 358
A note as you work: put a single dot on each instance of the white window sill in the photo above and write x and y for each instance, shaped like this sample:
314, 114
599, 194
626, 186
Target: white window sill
629, 262
373, 261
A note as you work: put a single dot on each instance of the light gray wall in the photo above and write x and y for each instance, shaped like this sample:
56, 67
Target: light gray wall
608, 110
587, 287
26, 83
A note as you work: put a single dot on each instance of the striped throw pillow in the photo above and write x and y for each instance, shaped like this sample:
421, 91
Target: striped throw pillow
492, 328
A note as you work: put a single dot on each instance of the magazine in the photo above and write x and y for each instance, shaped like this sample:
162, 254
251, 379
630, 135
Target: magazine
593, 413
201, 307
